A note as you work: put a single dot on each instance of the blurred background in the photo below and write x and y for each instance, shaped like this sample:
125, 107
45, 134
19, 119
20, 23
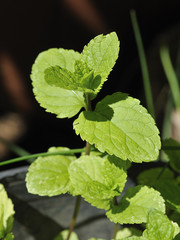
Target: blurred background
30, 27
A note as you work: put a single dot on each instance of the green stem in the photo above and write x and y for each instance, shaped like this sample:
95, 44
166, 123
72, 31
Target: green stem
143, 62
73, 221
170, 74
116, 228
31, 156
116, 225
78, 200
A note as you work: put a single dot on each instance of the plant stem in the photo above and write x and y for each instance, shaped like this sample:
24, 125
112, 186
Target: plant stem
88, 148
18, 159
170, 74
143, 62
73, 221
116, 225
78, 200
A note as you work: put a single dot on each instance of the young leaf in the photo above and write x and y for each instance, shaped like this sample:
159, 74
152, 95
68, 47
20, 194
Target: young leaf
149, 177
170, 191
97, 180
6, 213
135, 205
96, 239
128, 232
158, 226
170, 148
120, 126
48, 176
9, 236
101, 54
176, 229
60, 77
62, 102
134, 238
63, 236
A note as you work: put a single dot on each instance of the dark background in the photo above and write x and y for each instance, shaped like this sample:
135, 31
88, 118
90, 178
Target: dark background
29, 27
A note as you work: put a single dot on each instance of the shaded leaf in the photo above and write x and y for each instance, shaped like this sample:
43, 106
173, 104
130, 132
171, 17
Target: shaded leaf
172, 149
148, 177
170, 191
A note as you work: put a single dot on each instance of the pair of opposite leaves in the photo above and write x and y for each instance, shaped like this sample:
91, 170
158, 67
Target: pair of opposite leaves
118, 125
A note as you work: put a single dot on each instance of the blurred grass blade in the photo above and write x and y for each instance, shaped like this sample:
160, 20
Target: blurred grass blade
143, 63
170, 74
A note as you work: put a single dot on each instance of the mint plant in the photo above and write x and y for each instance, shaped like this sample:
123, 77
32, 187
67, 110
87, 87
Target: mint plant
118, 132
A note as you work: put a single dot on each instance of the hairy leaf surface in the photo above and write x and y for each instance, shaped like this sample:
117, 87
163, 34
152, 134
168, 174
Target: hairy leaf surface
173, 153
158, 226
101, 54
135, 205
62, 102
120, 126
48, 176
97, 179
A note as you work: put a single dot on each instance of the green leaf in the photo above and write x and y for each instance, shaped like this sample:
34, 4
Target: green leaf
134, 238
148, 177
48, 176
176, 229
63, 236
96, 239
9, 236
128, 232
85, 77
170, 191
135, 205
120, 126
62, 102
158, 226
175, 217
97, 180
170, 148
177, 237
101, 54
60, 77
6, 213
